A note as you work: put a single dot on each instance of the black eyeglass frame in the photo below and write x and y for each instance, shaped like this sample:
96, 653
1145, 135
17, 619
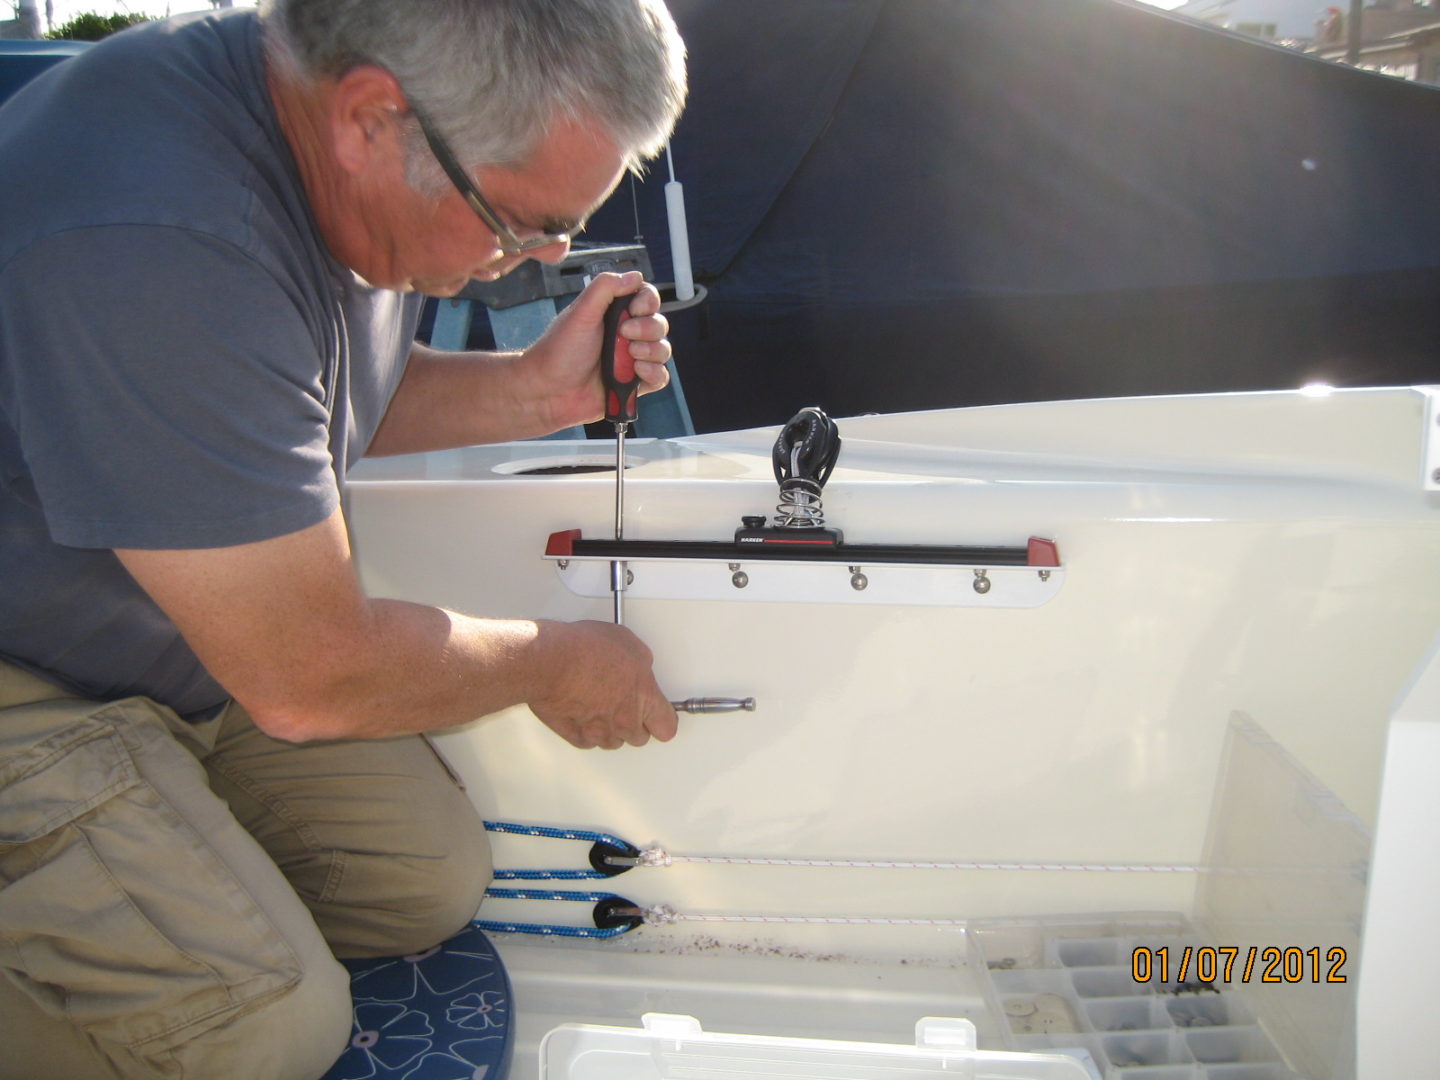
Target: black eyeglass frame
510, 244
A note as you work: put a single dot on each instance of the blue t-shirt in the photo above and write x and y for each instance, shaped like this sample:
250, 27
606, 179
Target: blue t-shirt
182, 363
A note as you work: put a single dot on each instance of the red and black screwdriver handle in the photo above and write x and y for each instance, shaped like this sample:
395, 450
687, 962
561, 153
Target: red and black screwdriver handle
617, 367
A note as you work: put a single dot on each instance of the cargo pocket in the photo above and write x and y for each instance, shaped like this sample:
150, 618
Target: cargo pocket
116, 912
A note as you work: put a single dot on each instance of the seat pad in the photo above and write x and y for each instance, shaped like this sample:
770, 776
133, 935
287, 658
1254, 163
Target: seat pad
443, 1014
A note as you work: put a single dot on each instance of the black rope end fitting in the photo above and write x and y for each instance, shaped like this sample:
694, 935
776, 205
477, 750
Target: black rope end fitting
602, 850
608, 916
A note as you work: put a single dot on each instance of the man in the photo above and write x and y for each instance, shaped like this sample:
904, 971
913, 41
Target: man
213, 238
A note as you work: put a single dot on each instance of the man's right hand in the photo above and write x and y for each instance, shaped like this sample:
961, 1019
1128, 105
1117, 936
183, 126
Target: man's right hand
603, 692
284, 626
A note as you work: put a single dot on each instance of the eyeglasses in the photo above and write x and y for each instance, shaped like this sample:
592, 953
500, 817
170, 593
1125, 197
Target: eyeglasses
510, 244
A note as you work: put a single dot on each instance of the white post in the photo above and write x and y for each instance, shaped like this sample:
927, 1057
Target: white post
29, 19
679, 234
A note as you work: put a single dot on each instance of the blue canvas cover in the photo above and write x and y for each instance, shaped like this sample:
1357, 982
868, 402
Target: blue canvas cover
904, 204
21, 61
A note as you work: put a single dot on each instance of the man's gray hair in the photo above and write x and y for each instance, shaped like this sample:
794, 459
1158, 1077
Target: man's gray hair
493, 75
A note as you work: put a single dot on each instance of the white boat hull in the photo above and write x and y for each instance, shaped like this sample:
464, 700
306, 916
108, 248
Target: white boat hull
1250, 574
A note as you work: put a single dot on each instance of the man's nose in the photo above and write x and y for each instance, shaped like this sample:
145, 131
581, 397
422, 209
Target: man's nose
551, 253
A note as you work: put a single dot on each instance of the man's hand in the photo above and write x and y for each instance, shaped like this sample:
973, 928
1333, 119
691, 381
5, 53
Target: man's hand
449, 399
562, 368
283, 625
602, 692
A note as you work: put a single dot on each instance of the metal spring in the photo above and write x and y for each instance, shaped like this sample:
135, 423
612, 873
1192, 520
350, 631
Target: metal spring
800, 505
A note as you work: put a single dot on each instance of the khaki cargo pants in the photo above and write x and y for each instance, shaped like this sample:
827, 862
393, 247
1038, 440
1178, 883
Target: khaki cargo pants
172, 898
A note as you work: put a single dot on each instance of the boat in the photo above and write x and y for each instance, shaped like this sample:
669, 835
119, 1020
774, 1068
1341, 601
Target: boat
1105, 739
1193, 719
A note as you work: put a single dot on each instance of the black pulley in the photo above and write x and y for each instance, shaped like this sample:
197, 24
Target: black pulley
616, 911
806, 448
602, 850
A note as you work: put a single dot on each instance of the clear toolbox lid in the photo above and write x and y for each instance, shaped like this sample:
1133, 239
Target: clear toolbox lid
671, 1047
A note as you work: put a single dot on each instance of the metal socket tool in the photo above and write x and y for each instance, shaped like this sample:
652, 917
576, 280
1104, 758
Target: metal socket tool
714, 705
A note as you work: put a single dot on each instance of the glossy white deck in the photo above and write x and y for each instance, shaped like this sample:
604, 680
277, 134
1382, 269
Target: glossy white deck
1270, 555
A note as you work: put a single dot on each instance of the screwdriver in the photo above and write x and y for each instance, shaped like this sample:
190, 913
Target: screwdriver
622, 388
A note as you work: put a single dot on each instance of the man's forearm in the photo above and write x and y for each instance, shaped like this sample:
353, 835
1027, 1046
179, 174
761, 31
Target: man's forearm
456, 399
283, 625
426, 668
411, 668
459, 399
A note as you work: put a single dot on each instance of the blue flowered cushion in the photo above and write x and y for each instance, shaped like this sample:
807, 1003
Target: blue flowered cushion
443, 1014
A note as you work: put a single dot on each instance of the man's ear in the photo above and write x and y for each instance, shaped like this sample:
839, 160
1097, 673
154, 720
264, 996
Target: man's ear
364, 119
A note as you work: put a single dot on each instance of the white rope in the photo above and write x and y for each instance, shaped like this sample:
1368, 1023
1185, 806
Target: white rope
660, 857
662, 914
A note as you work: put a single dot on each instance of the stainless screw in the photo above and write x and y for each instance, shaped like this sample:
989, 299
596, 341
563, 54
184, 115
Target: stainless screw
740, 579
564, 564
858, 581
629, 577
1044, 575
982, 583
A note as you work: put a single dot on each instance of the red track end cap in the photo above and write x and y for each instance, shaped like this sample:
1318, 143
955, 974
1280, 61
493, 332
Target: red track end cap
563, 543
1038, 553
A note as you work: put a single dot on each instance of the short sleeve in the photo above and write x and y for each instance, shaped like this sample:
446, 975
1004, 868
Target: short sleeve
168, 390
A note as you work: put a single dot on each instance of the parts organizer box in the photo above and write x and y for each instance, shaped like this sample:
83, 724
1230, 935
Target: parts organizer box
1069, 983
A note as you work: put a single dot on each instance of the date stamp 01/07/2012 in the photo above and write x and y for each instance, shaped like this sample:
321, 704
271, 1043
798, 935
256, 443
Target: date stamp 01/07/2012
1204, 966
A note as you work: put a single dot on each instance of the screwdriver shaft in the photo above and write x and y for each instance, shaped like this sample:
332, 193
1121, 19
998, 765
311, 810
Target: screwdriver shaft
620, 481
618, 570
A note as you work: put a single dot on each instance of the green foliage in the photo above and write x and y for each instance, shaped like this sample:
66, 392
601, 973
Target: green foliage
93, 27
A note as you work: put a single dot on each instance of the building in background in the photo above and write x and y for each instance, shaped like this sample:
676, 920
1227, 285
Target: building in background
1286, 22
1322, 27
1396, 38
26, 25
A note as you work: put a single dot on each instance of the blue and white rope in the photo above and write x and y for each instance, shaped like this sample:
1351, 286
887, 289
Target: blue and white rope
548, 875
550, 894
555, 834
546, 930
551, 929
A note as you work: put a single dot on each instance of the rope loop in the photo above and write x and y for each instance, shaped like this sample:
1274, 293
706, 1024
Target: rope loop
609, 856
613, 915
556, 834
609, 921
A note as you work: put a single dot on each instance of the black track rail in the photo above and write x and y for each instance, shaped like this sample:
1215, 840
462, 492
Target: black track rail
850, 554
